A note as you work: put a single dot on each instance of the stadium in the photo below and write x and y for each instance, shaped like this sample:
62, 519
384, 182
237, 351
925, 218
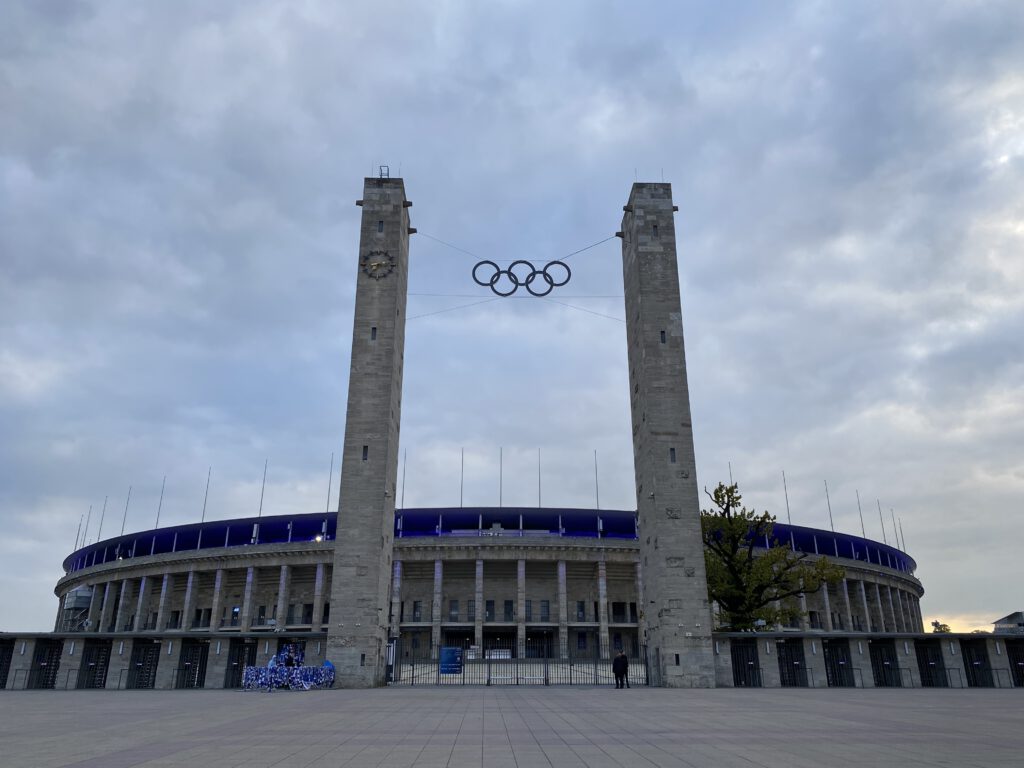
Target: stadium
489, 596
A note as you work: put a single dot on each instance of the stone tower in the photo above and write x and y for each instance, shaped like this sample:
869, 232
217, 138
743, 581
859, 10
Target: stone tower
357, 635
675, 600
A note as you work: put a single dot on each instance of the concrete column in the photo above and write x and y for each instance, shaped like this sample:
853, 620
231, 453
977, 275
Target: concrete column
478, 591
435, 609
284, 586
892, 609
602, 608
563, 613
864, 606
318, 596
188, 606
849, 608
899, 607
881, 610
124, 605
251, 579
641, 617
218, 599
142, 604
166, 589
107, 612
804, 623
521, 608
60, 613
828, 607
94, 608
396, 599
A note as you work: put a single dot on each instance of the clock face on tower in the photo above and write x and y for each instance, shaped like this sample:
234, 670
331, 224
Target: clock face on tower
378, 264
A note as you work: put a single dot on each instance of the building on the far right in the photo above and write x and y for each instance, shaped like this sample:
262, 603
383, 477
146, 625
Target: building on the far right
1010, 625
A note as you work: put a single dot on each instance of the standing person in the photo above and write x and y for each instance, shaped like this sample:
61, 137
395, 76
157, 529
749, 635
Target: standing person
620, 668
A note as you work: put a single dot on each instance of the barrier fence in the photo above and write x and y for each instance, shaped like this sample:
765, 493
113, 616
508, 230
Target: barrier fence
513, 664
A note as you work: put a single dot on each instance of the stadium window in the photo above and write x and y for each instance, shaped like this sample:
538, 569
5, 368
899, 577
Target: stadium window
654, 229
510, 611
373, 333
545, 610
662, 337
489, 610
380, 226
581, 611
581, 641
453, 610
529, 610
417, 610
366, 452
671, 455
471, 610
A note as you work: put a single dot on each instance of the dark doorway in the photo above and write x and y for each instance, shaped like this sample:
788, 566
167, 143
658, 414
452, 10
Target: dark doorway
885, 664
540, 644
6, 654
241, 654
930, 663
976, 666
838, 669
792, 668
1014, 654
45, 664
191, 672
142, 668
746, 668
95, 662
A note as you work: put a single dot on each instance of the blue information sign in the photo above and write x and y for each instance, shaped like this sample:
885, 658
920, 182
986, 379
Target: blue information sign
451, 661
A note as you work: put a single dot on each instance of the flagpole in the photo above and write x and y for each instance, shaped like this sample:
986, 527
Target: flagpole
209, 471
405, 466
79, 531
103, 514
124, 519
161, 504
597, 489
88, 517
501, 468
882, 521
785, 490
861, 513
462, 475
829, 502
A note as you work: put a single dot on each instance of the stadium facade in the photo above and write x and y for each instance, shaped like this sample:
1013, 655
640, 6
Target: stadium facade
524, 593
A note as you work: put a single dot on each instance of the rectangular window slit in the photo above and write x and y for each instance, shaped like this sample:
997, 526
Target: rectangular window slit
662, 337
366, 452
672, 455
380, 226
373, 333
677, 659
362, 659
654, 228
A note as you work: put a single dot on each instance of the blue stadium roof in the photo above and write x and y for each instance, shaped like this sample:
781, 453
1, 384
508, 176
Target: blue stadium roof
452, 521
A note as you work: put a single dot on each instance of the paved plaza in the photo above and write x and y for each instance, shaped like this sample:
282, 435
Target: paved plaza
529, 726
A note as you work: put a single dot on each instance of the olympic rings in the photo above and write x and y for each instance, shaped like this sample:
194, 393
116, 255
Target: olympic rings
521, 274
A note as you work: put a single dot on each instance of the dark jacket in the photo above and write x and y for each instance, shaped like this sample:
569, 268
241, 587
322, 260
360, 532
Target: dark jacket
620, 665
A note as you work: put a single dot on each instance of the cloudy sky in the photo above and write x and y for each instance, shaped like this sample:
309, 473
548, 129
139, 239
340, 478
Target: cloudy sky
178, 242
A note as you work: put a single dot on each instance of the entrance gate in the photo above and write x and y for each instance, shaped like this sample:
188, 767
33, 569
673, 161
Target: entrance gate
502, 664
885, 664
192, 672
142, 672
6, 654
95, 661
976, 666
1014, 653
930, 664
838, 670
45, 663
241, 654
746, 668
792, 668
